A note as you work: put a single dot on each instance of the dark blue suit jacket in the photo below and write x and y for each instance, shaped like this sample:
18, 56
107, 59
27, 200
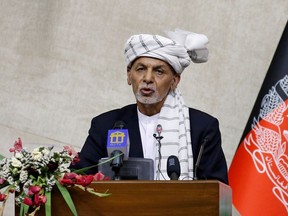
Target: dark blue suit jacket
212, 166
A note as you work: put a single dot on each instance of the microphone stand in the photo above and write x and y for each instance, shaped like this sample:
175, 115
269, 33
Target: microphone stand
159, 138
117, 163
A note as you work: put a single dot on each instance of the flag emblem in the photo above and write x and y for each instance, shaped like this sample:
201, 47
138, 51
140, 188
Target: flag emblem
267, 141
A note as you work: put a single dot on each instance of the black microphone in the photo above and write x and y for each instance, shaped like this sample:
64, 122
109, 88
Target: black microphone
173, 167
118, 146
119, 125
204, 142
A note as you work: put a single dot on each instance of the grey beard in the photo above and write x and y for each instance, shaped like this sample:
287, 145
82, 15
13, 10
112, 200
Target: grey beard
147, 100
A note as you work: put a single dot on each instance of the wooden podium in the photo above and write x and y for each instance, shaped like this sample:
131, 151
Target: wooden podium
148, 198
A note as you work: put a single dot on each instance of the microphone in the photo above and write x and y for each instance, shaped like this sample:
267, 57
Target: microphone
158, 138
173, 167
118, 146
159, 131
119, 125
204, 142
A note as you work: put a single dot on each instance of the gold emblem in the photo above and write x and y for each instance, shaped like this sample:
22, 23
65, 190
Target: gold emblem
117, 137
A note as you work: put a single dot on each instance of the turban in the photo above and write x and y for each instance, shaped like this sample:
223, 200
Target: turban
177, 50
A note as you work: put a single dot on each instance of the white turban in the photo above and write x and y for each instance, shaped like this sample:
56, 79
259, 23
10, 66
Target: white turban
178, 50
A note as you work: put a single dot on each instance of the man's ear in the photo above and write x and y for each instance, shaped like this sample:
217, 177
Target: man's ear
176, 80
129, 75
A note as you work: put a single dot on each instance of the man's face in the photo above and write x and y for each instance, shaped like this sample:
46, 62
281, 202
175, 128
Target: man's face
151, 80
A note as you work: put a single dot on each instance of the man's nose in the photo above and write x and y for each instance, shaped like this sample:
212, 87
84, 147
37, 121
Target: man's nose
148, 77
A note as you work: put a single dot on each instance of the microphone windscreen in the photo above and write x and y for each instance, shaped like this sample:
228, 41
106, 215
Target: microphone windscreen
173, 167
118, 139
119, 125
159, 128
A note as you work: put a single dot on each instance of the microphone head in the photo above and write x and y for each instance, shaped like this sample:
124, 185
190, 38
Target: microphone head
119, 125
173, 167
118, 139
159, 129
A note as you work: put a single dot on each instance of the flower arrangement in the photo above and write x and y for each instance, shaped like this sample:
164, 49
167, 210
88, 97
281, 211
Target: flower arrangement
32, 175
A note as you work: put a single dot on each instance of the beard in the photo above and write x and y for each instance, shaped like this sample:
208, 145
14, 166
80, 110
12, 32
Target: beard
155, 97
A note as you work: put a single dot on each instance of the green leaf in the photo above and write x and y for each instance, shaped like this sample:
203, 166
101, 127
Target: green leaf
82, 171
1, 157
23, 209
66, 195
48, 204
91, 190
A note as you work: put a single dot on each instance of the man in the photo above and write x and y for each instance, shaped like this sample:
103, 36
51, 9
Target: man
154, 67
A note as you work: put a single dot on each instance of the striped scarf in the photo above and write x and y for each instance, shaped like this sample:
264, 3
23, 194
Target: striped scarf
175, 122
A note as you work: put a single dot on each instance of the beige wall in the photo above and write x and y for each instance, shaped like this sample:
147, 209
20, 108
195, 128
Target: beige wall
61, 62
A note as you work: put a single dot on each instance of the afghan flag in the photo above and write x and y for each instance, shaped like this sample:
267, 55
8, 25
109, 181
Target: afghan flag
258, 174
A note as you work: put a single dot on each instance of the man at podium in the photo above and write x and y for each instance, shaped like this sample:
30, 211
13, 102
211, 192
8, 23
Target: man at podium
159, 123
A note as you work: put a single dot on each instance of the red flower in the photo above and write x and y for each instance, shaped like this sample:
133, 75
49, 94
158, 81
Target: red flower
99, 176
28, 201
84, 180
64, 181
34, 190
68, 179
71, 175
75, 159
39, 199
17, 146
2, 197
72, 152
